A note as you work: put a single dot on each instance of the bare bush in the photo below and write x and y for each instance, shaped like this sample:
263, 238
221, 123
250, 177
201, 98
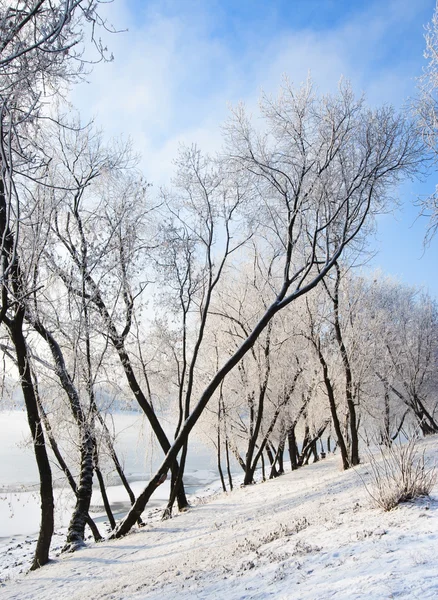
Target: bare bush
399, 474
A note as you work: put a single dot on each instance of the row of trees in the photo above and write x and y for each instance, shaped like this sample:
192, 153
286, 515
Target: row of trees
224, 291
352, 364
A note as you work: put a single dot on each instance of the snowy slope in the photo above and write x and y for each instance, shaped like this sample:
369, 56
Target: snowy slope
311, 534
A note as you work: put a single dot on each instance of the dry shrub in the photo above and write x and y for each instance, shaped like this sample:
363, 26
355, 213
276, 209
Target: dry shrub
399, 474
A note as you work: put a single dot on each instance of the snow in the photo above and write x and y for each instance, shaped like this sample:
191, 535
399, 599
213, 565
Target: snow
312, 533
19, 488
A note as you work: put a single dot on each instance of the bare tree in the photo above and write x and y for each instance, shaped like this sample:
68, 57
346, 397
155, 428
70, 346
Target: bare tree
105, 270
198, 235
319, 336
408, 351
315, 175
426, 108
347, 356
40, 52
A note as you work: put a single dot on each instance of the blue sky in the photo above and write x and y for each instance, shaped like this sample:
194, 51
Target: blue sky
182, 62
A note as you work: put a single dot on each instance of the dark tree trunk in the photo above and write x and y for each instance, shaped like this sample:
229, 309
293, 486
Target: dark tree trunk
12, 276
76, 528
323, 452
333, 411
353, 429
250, 465
315, 452
218, 454
219, 468
302, 456
292, 446
280, 453
227, 455
15, 328
400, 426
262, 458
272, 460
387, 422
427, 423
177, 483
102, 487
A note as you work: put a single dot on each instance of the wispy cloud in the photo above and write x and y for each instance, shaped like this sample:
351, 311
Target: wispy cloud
175, 71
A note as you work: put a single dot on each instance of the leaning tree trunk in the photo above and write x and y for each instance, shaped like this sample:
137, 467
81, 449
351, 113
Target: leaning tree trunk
227, 456
305, 443
427, 423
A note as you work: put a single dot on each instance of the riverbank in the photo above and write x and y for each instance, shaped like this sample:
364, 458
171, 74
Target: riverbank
19, 480
17, 550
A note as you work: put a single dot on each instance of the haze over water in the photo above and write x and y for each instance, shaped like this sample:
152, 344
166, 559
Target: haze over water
19, 502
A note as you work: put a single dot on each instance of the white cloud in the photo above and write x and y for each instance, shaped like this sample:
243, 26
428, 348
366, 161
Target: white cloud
172, 80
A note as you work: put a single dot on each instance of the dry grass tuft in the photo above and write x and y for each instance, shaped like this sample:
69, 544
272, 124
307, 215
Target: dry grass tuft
401, 473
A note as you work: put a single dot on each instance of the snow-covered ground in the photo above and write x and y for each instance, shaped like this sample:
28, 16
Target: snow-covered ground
311, 534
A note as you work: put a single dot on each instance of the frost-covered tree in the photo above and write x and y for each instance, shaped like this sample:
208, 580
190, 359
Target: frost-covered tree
90, 256
407, 344
426, 108
40, 54
313, 170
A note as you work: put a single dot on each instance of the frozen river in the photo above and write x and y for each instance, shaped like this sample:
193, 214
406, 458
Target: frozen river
19, 502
